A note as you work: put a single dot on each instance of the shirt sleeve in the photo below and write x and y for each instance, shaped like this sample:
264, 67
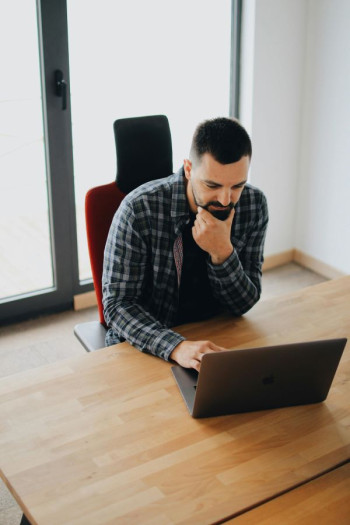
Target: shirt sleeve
237, 282
125, 270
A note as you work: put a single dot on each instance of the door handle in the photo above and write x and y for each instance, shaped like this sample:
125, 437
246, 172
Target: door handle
61, 87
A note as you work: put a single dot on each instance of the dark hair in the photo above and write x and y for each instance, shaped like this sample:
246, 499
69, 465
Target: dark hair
224, 138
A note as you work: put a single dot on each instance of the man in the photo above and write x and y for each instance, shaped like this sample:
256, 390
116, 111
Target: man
186, 247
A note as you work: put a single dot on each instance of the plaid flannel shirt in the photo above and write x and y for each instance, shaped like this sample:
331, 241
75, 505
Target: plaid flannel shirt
143, 260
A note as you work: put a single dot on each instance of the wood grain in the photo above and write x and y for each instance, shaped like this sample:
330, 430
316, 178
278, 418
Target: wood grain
105, 438
322, 501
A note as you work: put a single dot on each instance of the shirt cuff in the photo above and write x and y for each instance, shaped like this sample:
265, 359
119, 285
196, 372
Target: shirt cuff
231, 264
165, 342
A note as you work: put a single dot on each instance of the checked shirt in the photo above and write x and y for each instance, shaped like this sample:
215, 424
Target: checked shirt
143, 261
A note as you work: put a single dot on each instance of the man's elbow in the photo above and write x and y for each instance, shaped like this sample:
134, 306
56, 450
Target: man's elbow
110, 310
242, 307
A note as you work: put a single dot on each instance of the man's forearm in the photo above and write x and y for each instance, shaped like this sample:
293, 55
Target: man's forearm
236, 289
132, 323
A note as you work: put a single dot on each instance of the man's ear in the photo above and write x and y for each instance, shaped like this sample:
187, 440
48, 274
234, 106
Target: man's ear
187, 168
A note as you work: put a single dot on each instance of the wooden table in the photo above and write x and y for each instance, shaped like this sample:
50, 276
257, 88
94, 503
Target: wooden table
322, 501
105, 438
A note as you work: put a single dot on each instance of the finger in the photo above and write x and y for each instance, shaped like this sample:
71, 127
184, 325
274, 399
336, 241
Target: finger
195, 364
201, 219
198, 223
198, 228
201, 210
195, 231
230, 217
203, 214
206, 351
215, 347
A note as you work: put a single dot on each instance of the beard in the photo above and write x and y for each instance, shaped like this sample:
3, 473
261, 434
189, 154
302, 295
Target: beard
221, 214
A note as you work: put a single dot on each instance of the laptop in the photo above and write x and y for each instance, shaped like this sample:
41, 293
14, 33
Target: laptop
233, 381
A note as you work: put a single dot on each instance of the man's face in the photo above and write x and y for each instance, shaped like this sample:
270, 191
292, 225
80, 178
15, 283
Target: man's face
215, 187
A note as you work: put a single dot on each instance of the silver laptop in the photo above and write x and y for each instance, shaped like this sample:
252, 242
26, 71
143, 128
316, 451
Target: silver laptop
234, 381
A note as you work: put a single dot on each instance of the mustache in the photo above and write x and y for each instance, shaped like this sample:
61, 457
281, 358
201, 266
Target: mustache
218, 204
221, 212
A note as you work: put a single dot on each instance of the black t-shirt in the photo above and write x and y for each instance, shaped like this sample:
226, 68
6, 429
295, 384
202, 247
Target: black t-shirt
196, 300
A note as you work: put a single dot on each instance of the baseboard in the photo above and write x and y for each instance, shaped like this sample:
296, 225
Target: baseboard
279, 259
305, 260
84, 300
317, 266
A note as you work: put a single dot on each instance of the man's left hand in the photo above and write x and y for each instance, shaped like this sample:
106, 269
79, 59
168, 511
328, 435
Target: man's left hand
213, 235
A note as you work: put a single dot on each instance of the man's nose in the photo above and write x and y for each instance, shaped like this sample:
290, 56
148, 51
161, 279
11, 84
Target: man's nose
225, 196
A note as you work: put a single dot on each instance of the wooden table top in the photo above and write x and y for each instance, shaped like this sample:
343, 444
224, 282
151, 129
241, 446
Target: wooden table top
105, 438
322, 501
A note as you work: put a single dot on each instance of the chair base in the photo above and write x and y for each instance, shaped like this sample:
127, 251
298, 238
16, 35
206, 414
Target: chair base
91, 335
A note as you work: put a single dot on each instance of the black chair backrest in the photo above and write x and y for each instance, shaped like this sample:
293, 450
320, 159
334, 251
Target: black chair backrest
144, 150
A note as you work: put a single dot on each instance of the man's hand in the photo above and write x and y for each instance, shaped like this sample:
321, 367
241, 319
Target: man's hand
213, 235
189, 353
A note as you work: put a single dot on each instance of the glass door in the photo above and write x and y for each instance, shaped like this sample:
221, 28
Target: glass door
24, 210
139, 58
38, 268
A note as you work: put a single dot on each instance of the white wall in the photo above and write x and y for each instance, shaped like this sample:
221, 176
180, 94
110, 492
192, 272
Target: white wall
323, 207
271, 110
296, 52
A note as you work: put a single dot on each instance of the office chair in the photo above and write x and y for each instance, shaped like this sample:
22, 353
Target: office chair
144, 153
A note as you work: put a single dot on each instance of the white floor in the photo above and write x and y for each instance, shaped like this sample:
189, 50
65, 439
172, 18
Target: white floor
47, 339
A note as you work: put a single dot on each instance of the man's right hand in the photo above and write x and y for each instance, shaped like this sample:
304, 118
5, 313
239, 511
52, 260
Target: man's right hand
189, 353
